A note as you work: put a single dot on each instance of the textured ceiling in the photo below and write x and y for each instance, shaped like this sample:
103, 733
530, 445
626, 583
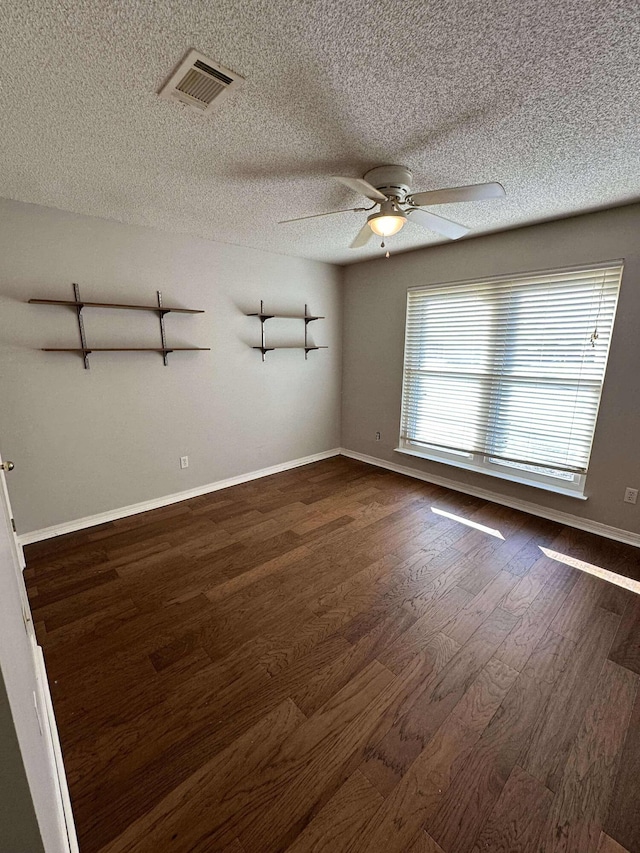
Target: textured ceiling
541, 96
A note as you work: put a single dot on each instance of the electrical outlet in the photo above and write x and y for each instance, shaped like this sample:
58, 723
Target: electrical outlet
630, 495
184, 461
377, 436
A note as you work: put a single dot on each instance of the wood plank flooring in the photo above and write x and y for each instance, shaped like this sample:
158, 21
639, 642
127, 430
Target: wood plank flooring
332, 659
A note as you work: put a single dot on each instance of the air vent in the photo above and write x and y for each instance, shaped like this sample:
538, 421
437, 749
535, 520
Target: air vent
199, 83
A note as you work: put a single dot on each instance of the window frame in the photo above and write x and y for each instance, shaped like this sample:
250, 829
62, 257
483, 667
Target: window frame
573, 485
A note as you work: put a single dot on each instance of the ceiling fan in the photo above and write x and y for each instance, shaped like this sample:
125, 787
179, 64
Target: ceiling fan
389, 187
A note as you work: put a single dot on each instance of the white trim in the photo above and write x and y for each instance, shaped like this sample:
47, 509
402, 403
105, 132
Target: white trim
547, 486
166, 500
68, 837
590, 526
587, 524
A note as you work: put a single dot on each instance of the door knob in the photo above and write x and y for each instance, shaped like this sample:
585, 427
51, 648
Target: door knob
7, 466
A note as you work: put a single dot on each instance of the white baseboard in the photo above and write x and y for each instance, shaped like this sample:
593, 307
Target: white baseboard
586, 524
155, 503
570, 520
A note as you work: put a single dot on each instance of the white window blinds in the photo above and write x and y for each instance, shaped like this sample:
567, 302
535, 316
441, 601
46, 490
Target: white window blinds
510, 368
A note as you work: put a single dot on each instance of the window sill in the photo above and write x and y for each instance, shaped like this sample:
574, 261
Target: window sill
547, 487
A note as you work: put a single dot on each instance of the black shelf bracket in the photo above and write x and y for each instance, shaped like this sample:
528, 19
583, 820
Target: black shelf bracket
263, 348
307, 320
163, 337
83, 338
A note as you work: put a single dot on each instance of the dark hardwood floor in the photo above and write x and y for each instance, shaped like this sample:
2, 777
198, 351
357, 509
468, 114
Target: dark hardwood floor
319, 661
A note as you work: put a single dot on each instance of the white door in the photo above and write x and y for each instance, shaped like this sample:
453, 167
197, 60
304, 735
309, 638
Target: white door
17, 555
25, 678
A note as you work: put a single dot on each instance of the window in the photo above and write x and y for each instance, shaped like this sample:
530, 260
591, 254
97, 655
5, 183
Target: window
504, 375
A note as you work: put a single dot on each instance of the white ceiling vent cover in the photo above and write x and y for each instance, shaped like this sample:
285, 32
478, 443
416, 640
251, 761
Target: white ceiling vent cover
199, 82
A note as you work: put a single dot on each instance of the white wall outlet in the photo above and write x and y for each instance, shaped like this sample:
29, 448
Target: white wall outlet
184, 461
630, 495
377, 436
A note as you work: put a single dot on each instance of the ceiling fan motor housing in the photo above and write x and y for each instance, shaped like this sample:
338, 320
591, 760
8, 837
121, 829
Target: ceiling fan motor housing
392, 181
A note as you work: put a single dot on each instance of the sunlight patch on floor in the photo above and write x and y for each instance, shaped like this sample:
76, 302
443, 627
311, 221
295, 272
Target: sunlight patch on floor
597, 571
490, 530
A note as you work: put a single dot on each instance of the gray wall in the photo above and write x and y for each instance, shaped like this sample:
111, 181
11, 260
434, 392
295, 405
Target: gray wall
374, 316
85, 442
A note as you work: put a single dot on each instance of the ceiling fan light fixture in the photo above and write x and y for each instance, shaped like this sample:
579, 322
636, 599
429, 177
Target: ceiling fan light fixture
390, 188
388, 221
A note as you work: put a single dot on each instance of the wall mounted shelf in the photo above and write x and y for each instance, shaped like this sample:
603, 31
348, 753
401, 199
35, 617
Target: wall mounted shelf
263, 316
124, 349
85, 350
306, 317
165, 309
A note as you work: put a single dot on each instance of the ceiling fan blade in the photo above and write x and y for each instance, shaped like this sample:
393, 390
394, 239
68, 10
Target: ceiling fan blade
475, 192
363, 237
316, 215
362, 187
437, 223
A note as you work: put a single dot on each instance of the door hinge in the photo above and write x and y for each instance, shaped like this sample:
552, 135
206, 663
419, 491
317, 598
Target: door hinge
13, 524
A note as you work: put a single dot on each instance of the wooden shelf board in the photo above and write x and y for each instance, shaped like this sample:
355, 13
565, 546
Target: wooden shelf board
125, 349
268, 349
284, 316
70, 303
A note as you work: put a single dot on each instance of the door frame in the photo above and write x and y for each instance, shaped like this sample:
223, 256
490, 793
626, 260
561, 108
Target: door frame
27, 687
